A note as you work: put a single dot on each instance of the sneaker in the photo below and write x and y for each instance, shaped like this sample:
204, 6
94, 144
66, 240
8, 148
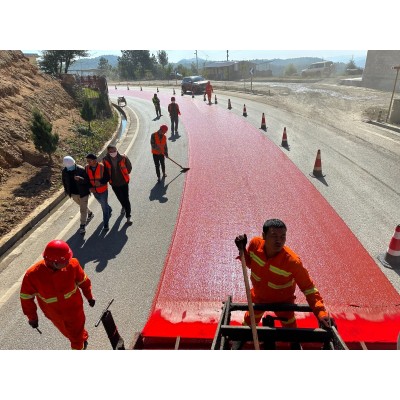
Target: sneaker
122, 211
89, 217
128, 221
106, 228
82, 229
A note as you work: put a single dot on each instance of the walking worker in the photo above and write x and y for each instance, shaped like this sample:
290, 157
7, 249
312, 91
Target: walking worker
76, 186
156, 102
119, 167
174, 112
275, 271
55, 282
159, 149
209, 91
98, 177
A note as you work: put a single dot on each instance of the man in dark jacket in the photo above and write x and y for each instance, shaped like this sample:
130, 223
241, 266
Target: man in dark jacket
76, 186
174, 113
156, 102
119, 167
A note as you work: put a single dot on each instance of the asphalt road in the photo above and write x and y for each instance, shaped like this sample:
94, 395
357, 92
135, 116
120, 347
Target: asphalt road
362, 183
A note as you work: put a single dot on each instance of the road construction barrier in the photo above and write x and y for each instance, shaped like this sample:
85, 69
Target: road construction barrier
392, 256
317, 171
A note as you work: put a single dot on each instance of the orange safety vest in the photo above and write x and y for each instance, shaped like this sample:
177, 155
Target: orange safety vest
98, 174
122, 166
160, 143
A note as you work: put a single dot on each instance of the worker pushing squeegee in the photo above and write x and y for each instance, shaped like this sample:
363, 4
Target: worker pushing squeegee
275, 271
159, 149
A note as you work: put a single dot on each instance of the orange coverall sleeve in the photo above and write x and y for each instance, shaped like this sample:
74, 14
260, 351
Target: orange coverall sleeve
83, 281
27, 297
306, 285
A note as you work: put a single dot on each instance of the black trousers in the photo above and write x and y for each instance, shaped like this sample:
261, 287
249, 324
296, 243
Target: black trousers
159, 159
158, 110
122, 193
174, 124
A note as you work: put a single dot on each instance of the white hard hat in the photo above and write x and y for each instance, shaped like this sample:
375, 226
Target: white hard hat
68, 161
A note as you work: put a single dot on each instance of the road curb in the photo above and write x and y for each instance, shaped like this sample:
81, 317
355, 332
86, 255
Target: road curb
11, 238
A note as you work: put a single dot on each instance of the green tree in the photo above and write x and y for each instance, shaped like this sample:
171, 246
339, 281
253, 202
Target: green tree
134, 64
103, 107
290, 70
44, 140
87, 111
104, 67
56, 62
351, 64
162, 58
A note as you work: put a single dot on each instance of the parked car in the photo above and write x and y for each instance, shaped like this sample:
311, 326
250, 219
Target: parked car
195, 84
175, 75
319, 69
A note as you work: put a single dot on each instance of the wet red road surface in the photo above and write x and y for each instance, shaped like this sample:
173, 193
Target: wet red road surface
238, 178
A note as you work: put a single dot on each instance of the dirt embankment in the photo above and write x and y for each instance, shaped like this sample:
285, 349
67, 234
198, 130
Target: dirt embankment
26, 178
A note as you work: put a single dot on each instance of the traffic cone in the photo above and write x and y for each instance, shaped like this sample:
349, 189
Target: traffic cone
392, 256
141, 88
284, 139
192, 95
204, 98
263, 126
216, 99
173, 91
115, 87
244, 110
317, 171
229, 104
157, 90
128, 87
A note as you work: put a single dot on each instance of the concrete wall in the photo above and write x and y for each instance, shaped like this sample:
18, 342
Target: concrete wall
378, 72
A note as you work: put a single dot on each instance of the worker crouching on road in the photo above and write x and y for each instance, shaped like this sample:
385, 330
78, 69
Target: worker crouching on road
275, 271
159, 149
55, 282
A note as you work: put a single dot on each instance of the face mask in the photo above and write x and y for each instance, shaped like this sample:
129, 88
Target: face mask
114, 154
71, 168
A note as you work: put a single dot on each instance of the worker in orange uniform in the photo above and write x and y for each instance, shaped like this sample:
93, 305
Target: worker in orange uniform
159, 149
209, 91
275, 271
55, 282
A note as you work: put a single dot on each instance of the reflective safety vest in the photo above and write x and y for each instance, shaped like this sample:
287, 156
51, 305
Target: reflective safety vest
122, 167
274, 279
160, 143
97, 175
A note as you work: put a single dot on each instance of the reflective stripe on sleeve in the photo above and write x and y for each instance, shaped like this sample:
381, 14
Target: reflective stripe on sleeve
26, 296
286, 285
257, 259
311, 291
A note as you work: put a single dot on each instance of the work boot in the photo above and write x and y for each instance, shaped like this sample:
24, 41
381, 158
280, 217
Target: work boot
89, 217
106, 228
82, 229
128, 221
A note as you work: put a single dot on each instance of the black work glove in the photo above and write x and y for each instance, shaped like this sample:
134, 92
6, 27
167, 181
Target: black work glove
34, 323
241, 242
92, 302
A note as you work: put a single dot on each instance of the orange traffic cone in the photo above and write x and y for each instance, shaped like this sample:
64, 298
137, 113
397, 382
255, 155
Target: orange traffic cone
141, 88
392, 256
204, 98
115, 87
229, 104
157, 90
128, 87
192, 95
215, 100
284, 139
173, 91
317, 171
263, 126
244, 110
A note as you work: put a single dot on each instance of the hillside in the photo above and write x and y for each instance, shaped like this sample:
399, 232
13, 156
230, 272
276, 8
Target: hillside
26, 178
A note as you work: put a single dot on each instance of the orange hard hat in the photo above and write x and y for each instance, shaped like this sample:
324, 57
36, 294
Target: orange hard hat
163, 128
57, 251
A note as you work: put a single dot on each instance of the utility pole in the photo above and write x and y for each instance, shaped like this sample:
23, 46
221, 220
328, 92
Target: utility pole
227, 55
394, 88
197, 61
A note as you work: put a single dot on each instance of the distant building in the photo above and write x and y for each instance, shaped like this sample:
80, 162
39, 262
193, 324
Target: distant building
378, 72
228, 70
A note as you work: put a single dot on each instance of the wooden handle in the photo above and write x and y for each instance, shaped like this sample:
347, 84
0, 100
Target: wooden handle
249, 302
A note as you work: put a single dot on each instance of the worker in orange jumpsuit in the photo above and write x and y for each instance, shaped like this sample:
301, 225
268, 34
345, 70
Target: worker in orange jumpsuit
209, 91
275, 271
55, 282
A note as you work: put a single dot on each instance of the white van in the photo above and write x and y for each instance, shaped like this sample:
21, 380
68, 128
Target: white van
319, 70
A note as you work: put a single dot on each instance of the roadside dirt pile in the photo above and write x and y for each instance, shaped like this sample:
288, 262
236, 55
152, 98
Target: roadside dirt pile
26, 178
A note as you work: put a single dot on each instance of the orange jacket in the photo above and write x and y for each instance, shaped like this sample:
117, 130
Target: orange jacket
274, 280
57, 292
97, 175
209, 89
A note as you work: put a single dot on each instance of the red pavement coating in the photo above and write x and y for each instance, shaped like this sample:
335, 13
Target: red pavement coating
238, 178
